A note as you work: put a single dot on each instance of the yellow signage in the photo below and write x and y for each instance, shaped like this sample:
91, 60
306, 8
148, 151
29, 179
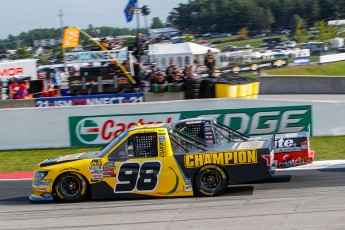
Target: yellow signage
71, 38
221, 158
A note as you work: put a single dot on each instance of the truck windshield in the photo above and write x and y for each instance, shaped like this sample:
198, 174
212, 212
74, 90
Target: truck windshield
112, 143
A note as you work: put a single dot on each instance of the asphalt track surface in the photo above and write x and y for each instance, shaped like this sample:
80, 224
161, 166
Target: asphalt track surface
312, 198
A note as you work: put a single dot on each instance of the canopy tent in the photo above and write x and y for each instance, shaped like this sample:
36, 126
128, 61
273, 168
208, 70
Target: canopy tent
182, 53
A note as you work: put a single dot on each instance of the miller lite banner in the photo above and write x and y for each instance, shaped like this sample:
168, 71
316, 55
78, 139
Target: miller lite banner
71, 38
18, 68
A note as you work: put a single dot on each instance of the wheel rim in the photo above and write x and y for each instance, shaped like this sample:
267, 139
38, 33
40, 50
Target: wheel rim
70, 186
210, 180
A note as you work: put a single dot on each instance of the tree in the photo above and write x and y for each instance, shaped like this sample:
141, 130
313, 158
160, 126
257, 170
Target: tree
270, 20
243, 32
325, 32
22, 53
156, 23
300, 32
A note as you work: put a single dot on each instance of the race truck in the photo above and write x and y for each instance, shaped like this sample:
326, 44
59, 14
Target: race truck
290, 149
153, 160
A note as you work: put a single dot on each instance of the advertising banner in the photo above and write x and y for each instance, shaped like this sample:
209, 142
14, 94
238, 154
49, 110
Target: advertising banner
95, 56
71, 38
98, 130
100, 99
256, 66
18, 68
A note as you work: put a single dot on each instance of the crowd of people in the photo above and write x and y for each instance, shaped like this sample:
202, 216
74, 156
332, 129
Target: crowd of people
51, 82
19, 88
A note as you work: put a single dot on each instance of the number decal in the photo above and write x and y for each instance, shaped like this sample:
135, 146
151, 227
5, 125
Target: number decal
143, 178
127, 177
148, 178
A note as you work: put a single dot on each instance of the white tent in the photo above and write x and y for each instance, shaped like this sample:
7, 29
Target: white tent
182, 53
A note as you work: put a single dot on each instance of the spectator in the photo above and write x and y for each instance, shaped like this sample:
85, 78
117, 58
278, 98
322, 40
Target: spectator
140, 45
1, 85
196, 69
159, 77
56, 78
13, 89
145, 84
152, 74
48, 86
210, 62
23, 91
171, 71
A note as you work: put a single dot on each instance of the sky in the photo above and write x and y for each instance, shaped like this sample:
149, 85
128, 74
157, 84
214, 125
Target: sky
23, 15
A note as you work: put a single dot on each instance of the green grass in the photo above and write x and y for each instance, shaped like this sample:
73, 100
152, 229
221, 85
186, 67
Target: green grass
26, 160
326, 148
330, 69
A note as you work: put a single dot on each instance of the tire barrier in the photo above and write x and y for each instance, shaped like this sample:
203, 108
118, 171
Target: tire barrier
237, 87
192, 88
176, 87
207, 87
159, 88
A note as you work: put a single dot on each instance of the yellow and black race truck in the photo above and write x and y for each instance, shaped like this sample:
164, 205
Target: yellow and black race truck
153, 160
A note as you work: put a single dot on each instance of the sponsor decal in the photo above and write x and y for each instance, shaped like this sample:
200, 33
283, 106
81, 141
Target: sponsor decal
188, 188
289, 161
46, 195
109, 169
221, 158
96, 162
289, 145
250, 145
162, 149
96, 170
69, 169
100, 130
40, 183
95, 56
11, 72
90, 100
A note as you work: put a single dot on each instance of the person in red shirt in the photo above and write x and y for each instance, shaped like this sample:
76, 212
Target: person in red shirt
23, 91
14, 89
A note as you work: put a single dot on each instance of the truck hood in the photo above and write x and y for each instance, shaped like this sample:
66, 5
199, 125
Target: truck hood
69, 158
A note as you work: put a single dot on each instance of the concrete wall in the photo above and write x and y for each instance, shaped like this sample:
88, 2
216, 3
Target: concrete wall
17, 103
50, 127
151, 97
301, 84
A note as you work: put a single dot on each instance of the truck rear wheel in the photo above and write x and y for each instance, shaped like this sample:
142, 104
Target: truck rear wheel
210, 180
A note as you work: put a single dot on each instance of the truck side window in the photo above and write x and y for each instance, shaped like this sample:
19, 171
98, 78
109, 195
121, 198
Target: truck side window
143, 145
120, 153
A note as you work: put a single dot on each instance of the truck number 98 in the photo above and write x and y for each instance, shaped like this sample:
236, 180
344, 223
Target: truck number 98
133, 176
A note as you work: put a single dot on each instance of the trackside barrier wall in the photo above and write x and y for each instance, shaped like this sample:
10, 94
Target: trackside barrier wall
52, 127
301, 84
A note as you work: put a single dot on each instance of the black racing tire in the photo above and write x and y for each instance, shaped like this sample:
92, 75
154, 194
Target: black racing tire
159, 88
176, 87
71, 187
210, 180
